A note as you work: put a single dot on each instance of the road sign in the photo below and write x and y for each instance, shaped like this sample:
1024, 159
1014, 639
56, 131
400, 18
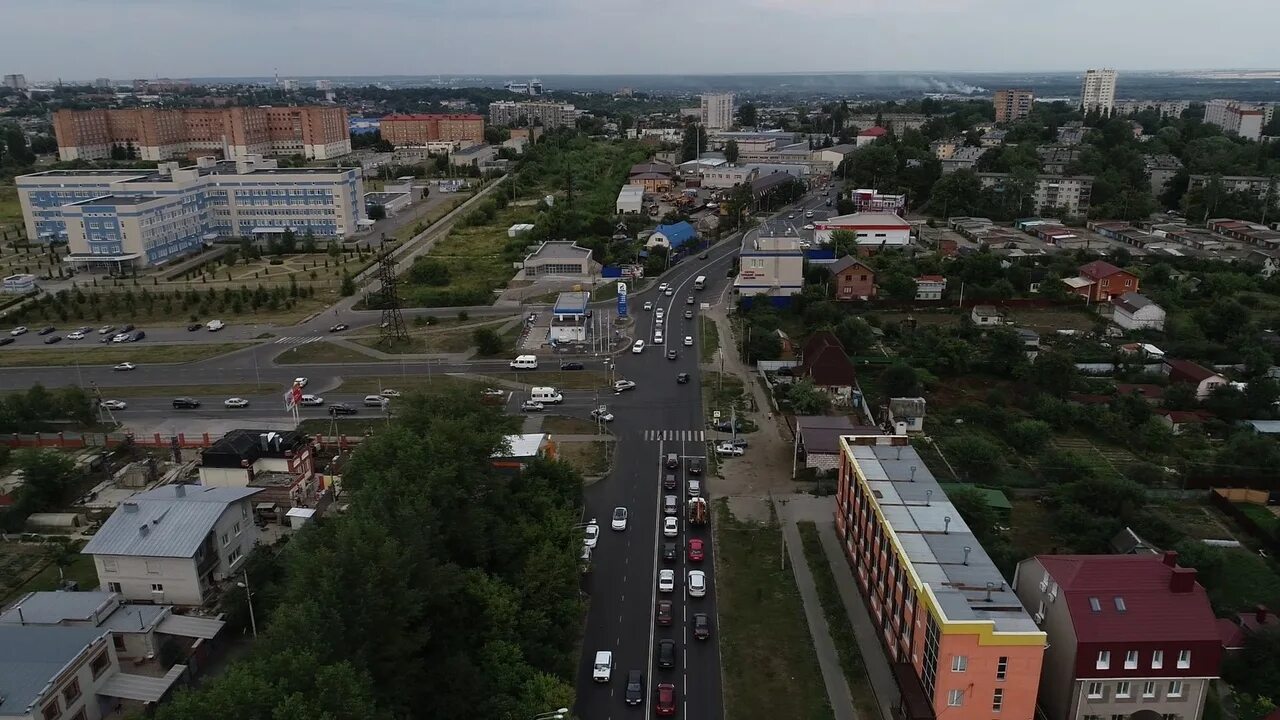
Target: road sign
715, 415
622, 300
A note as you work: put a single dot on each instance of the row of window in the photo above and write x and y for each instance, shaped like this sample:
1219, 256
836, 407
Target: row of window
955, 698
960, 663
70, 692
1124, 690
1131, 659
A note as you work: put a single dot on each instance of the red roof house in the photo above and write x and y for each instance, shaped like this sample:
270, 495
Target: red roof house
1185, 371
1100, 280
870, 135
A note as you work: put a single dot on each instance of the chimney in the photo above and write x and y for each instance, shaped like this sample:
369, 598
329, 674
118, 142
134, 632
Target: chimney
144, 530
180, 490
1170, 558
1183, 580
1260, 614
130, 507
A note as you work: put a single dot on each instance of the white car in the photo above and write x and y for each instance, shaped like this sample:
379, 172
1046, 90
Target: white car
663, 287
657, 323
669, 292
389, 392
77, 335
20, 330
120, 338
300, 382
112, 405
659, 313
619, 519
729, 449
809, 214
648, 306
532, 406
670, 526
809, 226
104, 330
602, 414
493, 392
638, 347
311, 400
125, 366
666, 580
697, 583
235, 402
623, 385
688, 341
591, 535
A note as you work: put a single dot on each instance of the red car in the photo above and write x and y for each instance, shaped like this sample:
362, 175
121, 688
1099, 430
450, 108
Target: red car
664, 612
695, 550
666, 699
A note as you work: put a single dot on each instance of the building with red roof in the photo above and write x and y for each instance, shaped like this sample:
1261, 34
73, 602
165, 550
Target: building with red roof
1129, 636
1100, 280
870, 135
1185, 371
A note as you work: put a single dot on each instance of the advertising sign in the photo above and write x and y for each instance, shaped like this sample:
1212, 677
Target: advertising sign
622, 300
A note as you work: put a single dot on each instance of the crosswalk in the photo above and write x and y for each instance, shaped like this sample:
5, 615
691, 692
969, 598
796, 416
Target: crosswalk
296, 340
675, 435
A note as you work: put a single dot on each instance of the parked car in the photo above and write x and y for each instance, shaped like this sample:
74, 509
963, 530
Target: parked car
235, 402
77, 335
20, 330
46, 330
185, 403
390, 393
125, 366
669, 552
571, 365
342, 409
602, 414
301, 381
113, 405
141, 334
192, 327
493, 392
104, 330
695, 466
727, 426
670, 505
6, 340
695, 550
591, 534
729, 450
670, 526
53, 339
338, 328
532, 406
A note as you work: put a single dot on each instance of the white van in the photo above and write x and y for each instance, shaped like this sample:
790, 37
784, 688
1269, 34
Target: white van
215, 325
602, 668
525, 362
311, 400
546, 395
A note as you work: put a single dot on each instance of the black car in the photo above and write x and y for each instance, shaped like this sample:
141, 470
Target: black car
701, 626
185, 403
727, 426
635, 687
666, 653
572, 365
342, 409
126, 328
5, 340
194, 327
52, 339
672, 354
138, 336
669, 552
695, 466
46, 330
703, 256
682, 378
669, 482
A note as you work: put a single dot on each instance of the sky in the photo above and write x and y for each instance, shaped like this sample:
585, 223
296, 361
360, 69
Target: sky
126, 39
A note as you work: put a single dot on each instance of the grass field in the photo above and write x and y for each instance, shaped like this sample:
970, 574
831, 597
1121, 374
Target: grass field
438, 339
131, 352
345, 426
166, 311
769, 665
430, 217
855, 671
564, 425
587, 458
10, 210
474, 258
321, 352
1261, 515
710, 340
80, 570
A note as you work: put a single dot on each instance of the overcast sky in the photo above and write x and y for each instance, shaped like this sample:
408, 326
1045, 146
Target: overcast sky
125, 39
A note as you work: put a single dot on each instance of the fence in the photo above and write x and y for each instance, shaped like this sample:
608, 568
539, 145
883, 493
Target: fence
1265, 536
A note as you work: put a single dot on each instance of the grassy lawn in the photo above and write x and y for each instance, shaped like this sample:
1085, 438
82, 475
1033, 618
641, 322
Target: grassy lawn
770, 668
1263, 516
710, 339
1030, 528
855, 671
476, 260
81, 570
436, 339
10, 210
723, 392
321, 352
564, 425
588, 458
344, 426
164, 310
429, 218
135, 353
1241, 579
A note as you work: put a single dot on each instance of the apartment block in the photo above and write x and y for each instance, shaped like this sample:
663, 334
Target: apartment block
1098, 92
423, 129
1130, 636
146, 217
1236, 118
1161, 169
549, 115
1013, 105
717, 111
959, 642
1070, 193
1166, 108
15, 81
317, 133
1256, 185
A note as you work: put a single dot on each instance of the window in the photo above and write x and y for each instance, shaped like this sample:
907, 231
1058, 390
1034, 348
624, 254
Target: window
51, 711
1095, 690
997, 700
1149, 689
110, 565
1120, 606
959, 663
1122, 689
233, 556
1094, 605
1157, 659
225, 539
236, 528
955, 698
1002, 667
1184, 659
80, 715
153, 567
1104, 659
71, 691
1131, 660
118, 641
99, 664
113, 587
1175, 689
157, 587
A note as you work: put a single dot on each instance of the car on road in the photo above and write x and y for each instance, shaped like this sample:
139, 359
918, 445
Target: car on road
77, 335
602, 669
389, 393
695, 466
739, 441
338, 328
214, 325
670, 526
532, 406
648, 305
657, 323
104, 330
726, 449
688, 300
657, 337
493, 392
20, 330
572, 365
682, 378
666, 703
53, 339
125, 366
301, 381
664, 616
138, 336
591, 534
192, 327
635, 688
638, 347
828, 203
342, 409
669, 292
235, 402
185, 403
672, 354
662, 287
701, 626
666, 653
669, 481
695, 550
120, 337
6, 341
727, 426
688, 341
670, 505
669, 552
666, 580
619, 521
46, 330
378, 401
791, 216
113, 405
623, 385
703, 256
659, 313
697, 583
311, 400
688, 314
602, 414
809, 214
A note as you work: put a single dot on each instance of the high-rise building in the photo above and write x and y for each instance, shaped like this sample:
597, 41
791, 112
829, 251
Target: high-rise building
960, 643
15, 82
102, 83
324, 85
1236, 118
318, 133
1013, 105
549, 115
1098, 92
422, 129
717, 111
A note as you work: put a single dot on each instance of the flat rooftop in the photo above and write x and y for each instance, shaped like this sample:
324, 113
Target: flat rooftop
571, 303
119, 200
151, 175
560, 250
382, 198
944, 553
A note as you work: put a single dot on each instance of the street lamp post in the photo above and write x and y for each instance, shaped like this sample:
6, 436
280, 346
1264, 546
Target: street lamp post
248, 596
552, 715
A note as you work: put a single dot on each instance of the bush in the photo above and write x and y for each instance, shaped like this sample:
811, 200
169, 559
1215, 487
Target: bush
488, 341
1028, 436
275, 261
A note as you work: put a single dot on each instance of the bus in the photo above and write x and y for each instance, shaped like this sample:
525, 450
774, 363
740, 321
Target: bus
700, 282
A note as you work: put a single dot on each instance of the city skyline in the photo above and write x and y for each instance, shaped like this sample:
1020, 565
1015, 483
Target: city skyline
393, 37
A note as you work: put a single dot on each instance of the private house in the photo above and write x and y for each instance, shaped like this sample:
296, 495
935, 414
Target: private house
1128, 542
870, 135
852, 279
817, 440
986, 316
1100, 280
930, 287
1129, 636
654, 177
1180, 420
281, 464
823, 360
1185, 371
1133, 311
672, 236
175, 544
906, 415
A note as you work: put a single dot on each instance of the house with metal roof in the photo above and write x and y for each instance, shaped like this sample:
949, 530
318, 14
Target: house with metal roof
672, 236
1135, 311
176, 543
281, 463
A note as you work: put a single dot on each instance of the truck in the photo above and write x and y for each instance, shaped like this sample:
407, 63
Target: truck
698, 511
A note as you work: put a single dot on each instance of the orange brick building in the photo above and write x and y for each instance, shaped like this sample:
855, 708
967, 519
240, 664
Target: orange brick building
318, 133
422, 129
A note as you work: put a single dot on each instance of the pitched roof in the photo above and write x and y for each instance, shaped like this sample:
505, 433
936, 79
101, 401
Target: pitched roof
1187, 370
845, 263
1140, 584
1132, 302
875, 131
31, 656
169, 521
1099, 269
907, 407
931, 278
676, 233
821, 433
825, 361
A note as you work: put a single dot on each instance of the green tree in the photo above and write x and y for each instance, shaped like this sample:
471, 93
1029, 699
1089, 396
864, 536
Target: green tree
488, 341
1028, 436
694, 142
977, 458
348, 287
731, 151
377, 212
807, 399
900, 380
747, 115
978, 514
1054, 372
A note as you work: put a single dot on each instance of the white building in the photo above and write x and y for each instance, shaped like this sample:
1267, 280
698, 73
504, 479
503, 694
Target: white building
717, 111
727, 176
19, 284
930, 287
770, 266
1236, 118
1133, 311
833, 155
873, 229
15, 82
175, 544
630, 199
907, 414
1098, 92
